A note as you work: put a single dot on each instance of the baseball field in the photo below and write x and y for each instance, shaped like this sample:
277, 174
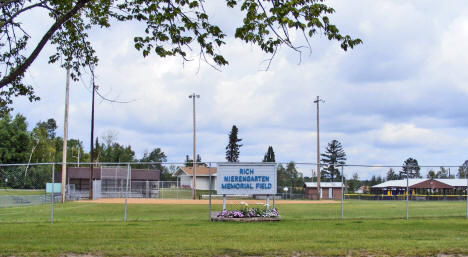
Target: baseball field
181, 229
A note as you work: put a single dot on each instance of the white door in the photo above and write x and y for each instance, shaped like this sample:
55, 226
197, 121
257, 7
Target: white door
330, 193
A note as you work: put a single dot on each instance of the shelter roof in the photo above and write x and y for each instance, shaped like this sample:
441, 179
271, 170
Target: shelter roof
414, 181
200, 171
324, 184
399, 183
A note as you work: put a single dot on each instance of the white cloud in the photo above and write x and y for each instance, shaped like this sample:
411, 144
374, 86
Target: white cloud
395, 96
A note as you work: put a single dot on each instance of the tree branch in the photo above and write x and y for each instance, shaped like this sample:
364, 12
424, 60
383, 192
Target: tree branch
21, 11
19, 70
5, 3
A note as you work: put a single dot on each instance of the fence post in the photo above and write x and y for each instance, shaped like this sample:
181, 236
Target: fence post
268, 202
210, 187
224, 202
407, 193
52, 198
342, 191
126, 192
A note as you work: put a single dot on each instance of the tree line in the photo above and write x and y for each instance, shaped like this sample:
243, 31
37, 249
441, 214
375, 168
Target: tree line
19, 145
41, 145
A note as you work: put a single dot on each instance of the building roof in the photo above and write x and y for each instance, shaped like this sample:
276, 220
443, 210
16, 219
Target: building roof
200, 170
432, 184
455, 182
324, 184
413, 181
115, 172
399, 183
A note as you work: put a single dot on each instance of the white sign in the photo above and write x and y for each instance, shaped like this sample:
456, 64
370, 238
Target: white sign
246, 178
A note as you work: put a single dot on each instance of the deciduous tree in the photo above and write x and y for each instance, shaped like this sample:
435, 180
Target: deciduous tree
169, 28
463, 170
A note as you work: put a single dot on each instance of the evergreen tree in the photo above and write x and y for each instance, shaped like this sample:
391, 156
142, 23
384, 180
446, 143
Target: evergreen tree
391, 175
375, 180
334, 156
410, 167
232, 149
189, 162
269, 155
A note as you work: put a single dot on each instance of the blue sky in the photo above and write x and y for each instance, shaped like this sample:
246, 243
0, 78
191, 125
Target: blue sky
403, 93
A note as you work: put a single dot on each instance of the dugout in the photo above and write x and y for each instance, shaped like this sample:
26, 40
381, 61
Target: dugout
111, 181
328, 190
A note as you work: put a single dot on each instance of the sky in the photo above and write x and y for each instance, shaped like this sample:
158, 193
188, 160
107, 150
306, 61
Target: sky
402, 93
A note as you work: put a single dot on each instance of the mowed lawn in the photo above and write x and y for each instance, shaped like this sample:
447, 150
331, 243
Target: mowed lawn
370, 228
21, 192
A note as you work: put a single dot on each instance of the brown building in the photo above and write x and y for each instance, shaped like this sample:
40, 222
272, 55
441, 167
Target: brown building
79, 176
328, 190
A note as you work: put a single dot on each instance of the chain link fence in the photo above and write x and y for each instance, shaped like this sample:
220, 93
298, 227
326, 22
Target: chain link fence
165, 191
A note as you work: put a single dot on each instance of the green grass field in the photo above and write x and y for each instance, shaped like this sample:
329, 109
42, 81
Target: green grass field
21, 192
370, 228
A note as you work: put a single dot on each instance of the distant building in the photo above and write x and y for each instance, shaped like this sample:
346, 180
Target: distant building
421, 186
328, 190
185, 175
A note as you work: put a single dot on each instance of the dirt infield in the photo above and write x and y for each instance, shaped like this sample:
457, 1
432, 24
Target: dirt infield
216, 201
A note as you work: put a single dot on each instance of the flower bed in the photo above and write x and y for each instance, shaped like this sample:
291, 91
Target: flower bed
247, 215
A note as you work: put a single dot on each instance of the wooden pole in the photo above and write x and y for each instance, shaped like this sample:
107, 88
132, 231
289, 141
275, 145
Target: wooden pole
65, 136
91, 154
318, 146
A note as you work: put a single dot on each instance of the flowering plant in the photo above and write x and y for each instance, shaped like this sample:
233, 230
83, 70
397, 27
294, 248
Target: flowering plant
248, 213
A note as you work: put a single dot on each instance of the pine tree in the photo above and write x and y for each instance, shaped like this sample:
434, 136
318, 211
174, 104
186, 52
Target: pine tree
334, 156
410, 167
232, 149
269, 155
391, 175
189, 161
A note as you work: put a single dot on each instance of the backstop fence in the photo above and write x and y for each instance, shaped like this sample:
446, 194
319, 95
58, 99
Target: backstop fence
164, 191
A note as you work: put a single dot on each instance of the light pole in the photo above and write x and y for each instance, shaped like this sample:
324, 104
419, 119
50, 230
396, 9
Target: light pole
194, 174
317, 101
91, 154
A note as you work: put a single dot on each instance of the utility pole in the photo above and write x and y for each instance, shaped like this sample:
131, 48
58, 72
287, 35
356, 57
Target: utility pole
91, 154
317, 101
194, 166
65, 136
